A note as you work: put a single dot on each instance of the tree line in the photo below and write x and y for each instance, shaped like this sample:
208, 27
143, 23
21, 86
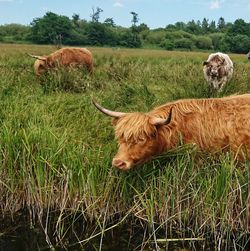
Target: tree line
193, 35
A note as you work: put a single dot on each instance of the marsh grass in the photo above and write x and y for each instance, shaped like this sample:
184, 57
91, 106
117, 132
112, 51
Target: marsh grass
56, 152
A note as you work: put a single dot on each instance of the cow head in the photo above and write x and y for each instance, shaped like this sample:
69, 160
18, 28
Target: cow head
137, 135
214, 66
41, 64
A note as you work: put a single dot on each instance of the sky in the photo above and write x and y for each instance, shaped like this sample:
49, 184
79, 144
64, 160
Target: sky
154, 13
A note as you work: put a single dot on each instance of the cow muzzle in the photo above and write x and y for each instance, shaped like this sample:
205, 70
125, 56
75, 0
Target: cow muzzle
121, 164
214, 73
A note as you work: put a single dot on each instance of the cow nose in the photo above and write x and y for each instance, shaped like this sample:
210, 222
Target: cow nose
120, 164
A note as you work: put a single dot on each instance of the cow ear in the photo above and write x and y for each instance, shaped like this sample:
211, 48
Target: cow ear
205, 63
160, 121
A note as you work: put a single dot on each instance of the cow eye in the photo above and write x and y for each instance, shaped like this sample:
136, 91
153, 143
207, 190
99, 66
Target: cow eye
142, 140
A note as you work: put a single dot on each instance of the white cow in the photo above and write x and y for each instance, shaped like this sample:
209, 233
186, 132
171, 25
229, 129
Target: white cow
218, 70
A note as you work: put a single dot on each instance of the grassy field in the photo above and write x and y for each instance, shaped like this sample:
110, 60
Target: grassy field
56, 151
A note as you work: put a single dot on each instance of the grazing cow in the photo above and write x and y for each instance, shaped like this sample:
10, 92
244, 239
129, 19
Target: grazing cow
213, 125
70, 57
218, 70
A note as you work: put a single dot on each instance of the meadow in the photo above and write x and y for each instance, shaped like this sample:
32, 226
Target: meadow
56, 151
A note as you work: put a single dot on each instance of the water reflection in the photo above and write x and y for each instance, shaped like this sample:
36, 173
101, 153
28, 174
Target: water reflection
23, 238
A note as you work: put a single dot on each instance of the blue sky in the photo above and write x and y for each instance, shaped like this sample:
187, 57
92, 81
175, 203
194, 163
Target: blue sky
154, 13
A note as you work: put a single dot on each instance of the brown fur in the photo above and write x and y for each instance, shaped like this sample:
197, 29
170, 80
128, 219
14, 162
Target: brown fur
216, 62
221, 70
211, 124
70, 57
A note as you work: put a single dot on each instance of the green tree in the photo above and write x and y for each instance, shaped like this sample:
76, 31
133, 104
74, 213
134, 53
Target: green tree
193, 27
96, 14
221, 25
134, 40
217, 40
112, 36
128, 39
240, 27
51, 28
180, 25
156, 37
205, 26
184, 43
96, 33
198, 23
212, 26
167, 44
109, 22
178, 34
135, 18
142, 27
76, 20
203, 42
238, 43
14, 32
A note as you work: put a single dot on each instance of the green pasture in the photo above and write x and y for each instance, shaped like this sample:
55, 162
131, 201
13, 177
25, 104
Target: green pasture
56, 151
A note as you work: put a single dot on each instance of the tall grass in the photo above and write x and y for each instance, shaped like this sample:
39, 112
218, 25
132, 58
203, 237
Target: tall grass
56, 151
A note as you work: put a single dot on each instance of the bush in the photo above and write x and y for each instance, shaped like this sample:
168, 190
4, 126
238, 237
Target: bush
167, 44
130, 39
217, 40
238, 43
155, 37
184, 43
203, 42
178, 34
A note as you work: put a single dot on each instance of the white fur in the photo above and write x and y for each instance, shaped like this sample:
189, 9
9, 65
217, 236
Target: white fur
218, 84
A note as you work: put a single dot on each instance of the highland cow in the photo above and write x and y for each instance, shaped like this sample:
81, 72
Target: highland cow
213, 125
69, 57
218, 70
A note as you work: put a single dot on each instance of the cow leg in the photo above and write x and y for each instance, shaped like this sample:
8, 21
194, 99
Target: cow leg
215, 84
221, 85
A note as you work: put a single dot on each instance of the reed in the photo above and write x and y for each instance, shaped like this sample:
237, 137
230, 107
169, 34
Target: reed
56, 151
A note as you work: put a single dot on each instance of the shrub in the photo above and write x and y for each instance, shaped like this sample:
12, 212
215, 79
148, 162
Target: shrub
167, 44
203, 42
217, 39
184, 43
238, 43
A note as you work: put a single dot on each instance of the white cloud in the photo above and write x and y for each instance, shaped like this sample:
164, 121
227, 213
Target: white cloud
118, 4
215, 4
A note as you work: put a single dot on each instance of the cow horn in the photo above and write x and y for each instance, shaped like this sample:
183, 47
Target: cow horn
37, 57
160, 121
108, 112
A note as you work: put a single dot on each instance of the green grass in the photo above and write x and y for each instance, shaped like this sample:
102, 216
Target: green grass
56, 150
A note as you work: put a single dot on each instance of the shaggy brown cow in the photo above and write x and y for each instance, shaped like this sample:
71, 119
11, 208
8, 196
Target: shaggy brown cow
212, 124
218, 70
71, 57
